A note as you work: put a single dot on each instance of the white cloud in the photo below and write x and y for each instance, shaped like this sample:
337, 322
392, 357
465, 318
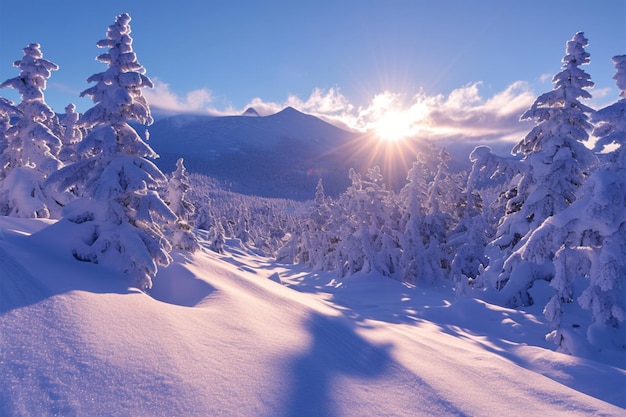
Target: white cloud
196, 101
547, 77
322, 102
464, 113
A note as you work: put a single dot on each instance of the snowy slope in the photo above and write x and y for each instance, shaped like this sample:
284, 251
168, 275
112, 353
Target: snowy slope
217, 336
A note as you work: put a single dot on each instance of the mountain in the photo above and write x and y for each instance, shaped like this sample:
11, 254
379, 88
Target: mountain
281, 155
250, 112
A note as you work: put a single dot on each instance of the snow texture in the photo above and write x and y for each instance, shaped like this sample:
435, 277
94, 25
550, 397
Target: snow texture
218, 336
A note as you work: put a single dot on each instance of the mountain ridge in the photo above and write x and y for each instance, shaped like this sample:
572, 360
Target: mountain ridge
279, 155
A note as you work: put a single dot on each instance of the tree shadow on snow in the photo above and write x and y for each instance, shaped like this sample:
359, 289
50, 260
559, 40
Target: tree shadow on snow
177, 285
336, 350
33, 269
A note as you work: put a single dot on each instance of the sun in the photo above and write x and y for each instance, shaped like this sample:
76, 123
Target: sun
393, 126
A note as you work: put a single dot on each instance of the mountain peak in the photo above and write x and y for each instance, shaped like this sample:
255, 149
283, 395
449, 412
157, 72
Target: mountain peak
289, 110
250, 112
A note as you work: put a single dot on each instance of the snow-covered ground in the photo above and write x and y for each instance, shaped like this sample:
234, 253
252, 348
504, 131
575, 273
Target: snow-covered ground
218, 335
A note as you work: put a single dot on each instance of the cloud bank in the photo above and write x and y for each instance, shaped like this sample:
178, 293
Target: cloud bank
464, 113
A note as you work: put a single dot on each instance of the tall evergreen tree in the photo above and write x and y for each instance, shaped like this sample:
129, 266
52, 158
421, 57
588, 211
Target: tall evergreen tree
413, 261
33, 146
120, 211
472, 235
556, 164
606, 211
588, 240
443, 202
368, 239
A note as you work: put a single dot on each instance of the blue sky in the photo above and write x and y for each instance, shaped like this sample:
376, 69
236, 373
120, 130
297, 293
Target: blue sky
344, 60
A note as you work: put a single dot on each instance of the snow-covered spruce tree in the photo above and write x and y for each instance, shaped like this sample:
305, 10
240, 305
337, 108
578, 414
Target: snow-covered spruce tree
120, 213
443, 203
319, 242
413, 263
312, 241
605, 206
31, 154
7, 110
469, 238
368, 238
483, 208
72, 135
556, 164
207, 221
181, 232
590, 237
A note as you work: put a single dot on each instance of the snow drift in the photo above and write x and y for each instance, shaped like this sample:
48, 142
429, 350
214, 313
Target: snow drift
216, 336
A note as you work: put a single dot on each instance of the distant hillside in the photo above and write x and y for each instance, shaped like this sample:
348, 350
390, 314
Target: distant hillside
283, 155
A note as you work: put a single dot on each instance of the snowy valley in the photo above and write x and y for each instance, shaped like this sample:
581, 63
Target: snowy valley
280, 266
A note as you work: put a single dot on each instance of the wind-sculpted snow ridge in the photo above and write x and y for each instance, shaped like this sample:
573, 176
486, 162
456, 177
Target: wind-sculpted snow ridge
217, 336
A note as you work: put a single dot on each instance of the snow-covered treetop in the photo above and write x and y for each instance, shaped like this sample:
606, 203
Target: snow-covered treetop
117, 93
570, 83
611, 120
575, 53
72, 134
559, 113
620, 75
34, 72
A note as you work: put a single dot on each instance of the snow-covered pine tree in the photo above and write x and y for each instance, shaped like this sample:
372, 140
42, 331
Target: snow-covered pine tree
217, 236
368, 239
469, 238
443, 202
588, 240
72, 135
412, 200
299, 247
319, 242
601, 222
472, 234
205, 220
120, 212
181, 232
7, 110
32, 147
556, 164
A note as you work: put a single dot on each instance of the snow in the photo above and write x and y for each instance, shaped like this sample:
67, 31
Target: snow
218, 335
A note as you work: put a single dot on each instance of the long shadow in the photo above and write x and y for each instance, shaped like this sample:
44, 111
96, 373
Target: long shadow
18, 287
337, 353
177, 285
497, 330
23, 283
335, 350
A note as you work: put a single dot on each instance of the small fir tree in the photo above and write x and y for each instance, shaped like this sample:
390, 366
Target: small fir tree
72, 135
181, 232
31, 143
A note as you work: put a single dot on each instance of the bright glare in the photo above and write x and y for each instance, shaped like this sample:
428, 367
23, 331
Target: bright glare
393, 126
